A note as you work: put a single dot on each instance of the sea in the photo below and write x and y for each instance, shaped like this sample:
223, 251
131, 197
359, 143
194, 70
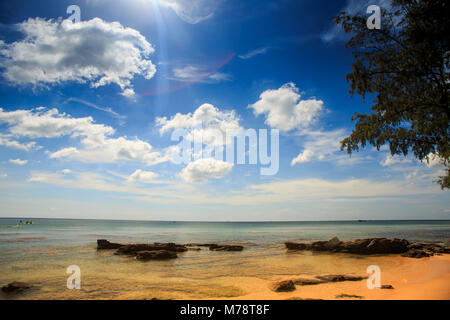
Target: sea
44, 253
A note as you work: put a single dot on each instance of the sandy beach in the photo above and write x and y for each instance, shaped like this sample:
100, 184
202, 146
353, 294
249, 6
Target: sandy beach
205, 274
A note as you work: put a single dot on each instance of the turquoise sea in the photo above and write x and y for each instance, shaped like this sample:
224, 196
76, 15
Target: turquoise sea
51, 232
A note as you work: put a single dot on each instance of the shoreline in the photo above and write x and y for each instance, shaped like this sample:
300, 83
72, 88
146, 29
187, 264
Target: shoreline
212, 271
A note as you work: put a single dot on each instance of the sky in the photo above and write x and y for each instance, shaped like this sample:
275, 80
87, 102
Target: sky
88, 109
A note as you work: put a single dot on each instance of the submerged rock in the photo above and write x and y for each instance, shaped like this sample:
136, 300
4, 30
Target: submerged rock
156, 255
216, 247
307, 282
344, 295
340, 278
15, 287
283, 286
297, 246
103, 244
133, 249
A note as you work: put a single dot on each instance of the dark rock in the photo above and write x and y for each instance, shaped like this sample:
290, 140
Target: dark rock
359, 246
216, 247
307, 282
297, 246
344, 295
103, 244
15, 287
340, 278
415, 253
283, 286
333, 244
133, 249
376, 246
387, 286
156, 255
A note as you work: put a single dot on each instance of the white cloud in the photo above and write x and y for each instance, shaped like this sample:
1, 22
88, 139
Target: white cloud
49, 123
205, 122
320, 145
392, 160
194, 73
3, 175
66, 171
304, 156
93, 51
64, 153
18, 161
105, 109
193, 11
285, 110
202, 170
96, 141
254, 53
433, 161
143, 176
7, 142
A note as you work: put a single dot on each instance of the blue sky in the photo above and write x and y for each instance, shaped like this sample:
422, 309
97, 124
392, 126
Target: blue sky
87, 111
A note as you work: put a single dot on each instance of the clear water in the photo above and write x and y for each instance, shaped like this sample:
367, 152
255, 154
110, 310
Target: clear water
61, 232
39, 254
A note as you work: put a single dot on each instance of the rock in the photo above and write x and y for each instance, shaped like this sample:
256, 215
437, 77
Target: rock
15, 287
156, 255
387, 286
307, 282
375, 246
133, 249
359, 246
340, 278
216, 247
200, 244
283, 286
344, 295
103, 244
296, 246
333, 244
415, 253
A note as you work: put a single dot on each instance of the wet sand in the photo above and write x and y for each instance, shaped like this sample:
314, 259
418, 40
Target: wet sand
220, 275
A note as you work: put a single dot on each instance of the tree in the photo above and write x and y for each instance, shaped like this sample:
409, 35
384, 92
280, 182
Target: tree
405, 66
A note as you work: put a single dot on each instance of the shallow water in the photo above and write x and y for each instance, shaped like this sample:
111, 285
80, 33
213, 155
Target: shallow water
40, 254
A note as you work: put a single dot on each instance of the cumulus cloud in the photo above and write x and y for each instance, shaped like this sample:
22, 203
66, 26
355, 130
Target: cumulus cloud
94, 52
97, 145
205, 122
201, 170
285, 110
142, 176
19, 162
8, 142
304, 156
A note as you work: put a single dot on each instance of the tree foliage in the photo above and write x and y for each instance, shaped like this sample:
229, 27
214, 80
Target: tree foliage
405, 66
